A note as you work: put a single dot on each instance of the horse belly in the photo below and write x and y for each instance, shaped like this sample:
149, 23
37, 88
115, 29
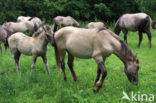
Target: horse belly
80, 50
25, 48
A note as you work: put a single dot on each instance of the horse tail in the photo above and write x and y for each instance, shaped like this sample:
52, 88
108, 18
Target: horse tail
54, 25
117, 28
57, 57
35, 27
6, 44
31, 18
145, 24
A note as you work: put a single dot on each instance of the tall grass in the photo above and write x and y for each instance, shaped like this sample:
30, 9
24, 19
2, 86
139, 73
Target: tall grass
42, 88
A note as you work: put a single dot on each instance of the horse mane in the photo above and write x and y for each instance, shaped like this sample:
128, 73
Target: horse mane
37, 33
124, 48
126, 51
31, 18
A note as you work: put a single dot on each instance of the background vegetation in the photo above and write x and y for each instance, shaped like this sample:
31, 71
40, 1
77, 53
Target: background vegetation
82, 10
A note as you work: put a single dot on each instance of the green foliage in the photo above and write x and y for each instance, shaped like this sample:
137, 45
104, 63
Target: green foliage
84, 10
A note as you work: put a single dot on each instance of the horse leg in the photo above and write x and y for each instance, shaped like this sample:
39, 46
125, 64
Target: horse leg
33, 64
44, 58
97, 76
149, 37
100, 62
125, 35
70, 64
140, 39
62, 55
16, 61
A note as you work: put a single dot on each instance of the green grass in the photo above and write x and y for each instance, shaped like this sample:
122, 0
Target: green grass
41, 88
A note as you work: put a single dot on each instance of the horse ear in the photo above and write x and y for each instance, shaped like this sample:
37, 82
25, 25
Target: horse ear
44, 28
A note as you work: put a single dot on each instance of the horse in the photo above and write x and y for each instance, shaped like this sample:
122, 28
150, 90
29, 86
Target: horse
24, 26
4, 34
36, 21
64, 21
23, 18
140, 22
34, 46
96, 25
98, 43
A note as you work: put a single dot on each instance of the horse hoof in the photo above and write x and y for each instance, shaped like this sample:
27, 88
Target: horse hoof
98, 84
96, 89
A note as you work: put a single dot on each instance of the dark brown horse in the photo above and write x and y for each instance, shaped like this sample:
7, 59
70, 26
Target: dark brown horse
140, 22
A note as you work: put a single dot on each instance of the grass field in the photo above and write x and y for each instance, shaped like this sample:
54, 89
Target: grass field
41, 88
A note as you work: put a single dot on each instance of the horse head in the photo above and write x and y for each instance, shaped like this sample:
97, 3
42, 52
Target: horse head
49, 34
131, 69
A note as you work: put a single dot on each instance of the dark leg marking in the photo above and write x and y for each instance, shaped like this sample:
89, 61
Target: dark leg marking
140, 38
70, 64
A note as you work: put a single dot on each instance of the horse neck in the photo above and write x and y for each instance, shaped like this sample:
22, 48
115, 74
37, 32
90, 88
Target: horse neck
42, 39
124, 53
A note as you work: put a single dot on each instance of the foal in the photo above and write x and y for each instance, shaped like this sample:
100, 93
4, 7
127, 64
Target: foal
98, 44
33, 46
140, 22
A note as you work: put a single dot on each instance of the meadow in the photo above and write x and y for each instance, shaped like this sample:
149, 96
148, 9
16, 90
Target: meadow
44, 88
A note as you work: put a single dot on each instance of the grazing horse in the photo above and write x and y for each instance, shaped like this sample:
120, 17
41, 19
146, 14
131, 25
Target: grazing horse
23, 18
4, 34
96, 43
96, 25
24, 26
64, 21
33, 46
140, 22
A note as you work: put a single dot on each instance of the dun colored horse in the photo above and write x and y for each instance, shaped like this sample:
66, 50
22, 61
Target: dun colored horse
4, 34
140, 22
98, 44
24, 26
23, 18
97, 25
60, 21
33, 46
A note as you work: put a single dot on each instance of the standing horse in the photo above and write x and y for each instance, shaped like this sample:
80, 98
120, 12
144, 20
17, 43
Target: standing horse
36, 22
33, 46
23, 18
24, 26
98, 44
4, 34
96, 25
64, 21
140, 22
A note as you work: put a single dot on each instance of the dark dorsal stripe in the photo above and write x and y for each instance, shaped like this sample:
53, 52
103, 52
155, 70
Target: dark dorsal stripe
31, 18
101, 29
37, 33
